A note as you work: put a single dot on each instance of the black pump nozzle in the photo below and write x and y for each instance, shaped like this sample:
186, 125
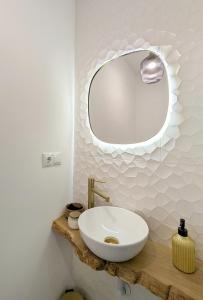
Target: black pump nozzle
181, 229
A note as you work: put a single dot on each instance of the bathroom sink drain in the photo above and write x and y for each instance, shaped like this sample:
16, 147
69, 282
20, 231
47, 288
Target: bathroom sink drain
111, 240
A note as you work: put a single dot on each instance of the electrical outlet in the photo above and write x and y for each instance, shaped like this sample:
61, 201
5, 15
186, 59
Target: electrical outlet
51, 159
57, 158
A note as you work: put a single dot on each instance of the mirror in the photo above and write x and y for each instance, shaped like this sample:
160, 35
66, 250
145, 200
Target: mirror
128, 98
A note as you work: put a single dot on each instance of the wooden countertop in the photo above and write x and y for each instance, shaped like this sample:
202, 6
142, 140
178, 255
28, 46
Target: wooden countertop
152, 268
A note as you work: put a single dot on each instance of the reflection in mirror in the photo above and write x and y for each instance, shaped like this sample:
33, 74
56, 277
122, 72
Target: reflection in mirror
151, 69
123, 109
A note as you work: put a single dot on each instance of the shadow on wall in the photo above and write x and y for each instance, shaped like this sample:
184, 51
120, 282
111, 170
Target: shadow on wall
52, 263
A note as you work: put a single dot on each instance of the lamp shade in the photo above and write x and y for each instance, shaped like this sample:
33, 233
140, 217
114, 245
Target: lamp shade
151, 69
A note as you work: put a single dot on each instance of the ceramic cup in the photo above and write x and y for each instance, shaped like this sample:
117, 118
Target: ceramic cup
73, 207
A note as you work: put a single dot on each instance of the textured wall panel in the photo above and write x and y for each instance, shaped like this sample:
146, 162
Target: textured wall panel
162, 181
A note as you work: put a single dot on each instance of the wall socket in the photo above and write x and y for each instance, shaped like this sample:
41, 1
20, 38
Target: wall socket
51, 159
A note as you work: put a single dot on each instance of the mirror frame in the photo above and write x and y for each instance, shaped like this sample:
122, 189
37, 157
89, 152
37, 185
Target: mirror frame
169, 131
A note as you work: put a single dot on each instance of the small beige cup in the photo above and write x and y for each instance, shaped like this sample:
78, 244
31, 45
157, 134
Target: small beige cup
73, 219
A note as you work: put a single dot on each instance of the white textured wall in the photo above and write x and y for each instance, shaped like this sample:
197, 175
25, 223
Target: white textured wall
36, 101
162, 185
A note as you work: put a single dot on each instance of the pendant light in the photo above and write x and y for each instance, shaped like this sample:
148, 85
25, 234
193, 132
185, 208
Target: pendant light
151, 69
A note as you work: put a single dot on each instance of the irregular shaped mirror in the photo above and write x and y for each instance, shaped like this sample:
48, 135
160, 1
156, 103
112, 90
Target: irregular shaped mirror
129, 98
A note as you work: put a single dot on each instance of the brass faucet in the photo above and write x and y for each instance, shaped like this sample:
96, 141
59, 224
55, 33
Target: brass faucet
93, 190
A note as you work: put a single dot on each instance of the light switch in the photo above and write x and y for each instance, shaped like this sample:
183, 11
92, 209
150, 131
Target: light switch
51, 159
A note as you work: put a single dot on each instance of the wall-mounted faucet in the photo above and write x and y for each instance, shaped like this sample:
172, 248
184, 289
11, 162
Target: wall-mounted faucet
93, 190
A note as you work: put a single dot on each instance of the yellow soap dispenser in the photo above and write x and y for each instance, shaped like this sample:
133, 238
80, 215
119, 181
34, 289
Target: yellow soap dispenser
183, 250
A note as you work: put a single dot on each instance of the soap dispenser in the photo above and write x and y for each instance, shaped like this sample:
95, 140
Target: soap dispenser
183, 250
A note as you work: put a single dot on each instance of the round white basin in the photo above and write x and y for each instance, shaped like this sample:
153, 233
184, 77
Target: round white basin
113, 233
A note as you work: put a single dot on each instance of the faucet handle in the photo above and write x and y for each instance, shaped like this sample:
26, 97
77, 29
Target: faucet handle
100, 181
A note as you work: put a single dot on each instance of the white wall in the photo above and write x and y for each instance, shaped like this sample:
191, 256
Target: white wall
36, 108
165, 184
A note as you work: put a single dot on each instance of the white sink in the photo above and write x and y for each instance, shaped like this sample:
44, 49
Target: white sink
102, 227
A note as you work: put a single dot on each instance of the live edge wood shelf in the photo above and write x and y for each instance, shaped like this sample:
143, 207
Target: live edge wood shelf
152, 268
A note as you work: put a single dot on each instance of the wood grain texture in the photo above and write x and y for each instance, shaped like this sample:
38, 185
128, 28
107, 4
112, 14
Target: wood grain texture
152, 268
